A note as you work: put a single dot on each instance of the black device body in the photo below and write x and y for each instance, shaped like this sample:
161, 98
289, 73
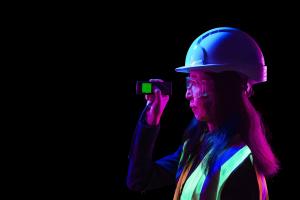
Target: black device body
147, 87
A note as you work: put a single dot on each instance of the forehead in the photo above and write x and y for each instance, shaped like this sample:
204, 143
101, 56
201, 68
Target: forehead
197, 74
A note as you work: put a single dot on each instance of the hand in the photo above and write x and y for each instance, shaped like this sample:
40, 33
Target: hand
156, 104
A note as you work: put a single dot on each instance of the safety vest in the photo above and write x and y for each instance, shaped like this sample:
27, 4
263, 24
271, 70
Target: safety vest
191, 188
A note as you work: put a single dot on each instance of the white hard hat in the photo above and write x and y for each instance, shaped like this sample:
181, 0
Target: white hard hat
226, 49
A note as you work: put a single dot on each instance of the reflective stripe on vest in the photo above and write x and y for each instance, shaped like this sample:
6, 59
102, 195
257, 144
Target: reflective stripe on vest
262, 185
230, 165
194, 184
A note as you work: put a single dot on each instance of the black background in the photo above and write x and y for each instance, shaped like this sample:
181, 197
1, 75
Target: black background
90, 62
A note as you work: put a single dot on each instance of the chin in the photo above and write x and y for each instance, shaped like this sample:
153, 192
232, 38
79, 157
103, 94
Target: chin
200, 117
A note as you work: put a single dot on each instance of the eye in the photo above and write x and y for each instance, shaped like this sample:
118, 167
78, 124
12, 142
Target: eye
190, 82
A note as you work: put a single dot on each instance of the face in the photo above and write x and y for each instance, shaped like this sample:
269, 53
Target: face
200, 94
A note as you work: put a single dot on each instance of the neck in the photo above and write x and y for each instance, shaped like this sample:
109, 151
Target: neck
229, 122
211, 126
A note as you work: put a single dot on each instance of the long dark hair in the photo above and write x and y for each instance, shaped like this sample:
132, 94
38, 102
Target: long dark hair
235, 115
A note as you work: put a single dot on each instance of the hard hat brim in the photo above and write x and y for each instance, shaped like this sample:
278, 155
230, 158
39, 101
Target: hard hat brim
208, 67
253, 76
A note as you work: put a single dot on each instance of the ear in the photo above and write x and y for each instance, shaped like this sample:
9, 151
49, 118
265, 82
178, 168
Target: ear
249, 90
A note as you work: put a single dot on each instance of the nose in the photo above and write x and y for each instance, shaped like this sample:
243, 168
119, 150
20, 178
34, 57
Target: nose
188, 94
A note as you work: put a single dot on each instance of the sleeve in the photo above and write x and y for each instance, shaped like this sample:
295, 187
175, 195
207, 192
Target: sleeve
144, 174
242, 183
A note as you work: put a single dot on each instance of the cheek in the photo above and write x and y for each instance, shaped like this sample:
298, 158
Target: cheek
203, 104
201, 108
204, 108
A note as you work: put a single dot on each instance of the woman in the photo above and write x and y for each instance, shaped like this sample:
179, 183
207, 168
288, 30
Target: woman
225, 154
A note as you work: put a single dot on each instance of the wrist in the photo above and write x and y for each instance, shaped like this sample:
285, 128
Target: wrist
152, 121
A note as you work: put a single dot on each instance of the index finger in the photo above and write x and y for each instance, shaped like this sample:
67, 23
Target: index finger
156, 80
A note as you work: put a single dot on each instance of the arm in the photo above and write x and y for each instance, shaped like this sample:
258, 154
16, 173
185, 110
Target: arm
143, 173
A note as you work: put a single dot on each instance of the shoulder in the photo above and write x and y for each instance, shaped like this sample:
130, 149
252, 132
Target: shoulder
242, 183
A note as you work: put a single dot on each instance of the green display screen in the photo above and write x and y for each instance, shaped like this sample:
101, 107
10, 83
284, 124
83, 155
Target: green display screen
146, 88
